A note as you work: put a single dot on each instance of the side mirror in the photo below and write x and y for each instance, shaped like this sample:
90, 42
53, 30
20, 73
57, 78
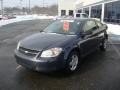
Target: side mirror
105, 26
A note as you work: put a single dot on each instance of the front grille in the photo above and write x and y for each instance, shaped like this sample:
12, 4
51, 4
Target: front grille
28, 52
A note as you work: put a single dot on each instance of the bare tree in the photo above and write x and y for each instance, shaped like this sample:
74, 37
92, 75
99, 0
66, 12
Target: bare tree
51, 10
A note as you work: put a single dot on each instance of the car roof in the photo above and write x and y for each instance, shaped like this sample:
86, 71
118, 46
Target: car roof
77, 19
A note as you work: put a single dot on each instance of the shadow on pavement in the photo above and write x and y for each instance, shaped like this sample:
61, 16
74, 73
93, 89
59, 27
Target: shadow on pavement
88, 63
59, 79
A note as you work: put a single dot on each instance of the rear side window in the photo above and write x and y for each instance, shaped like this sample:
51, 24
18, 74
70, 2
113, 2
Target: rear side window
89, 26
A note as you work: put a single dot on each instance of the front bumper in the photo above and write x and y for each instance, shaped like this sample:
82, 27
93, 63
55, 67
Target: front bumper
44, 65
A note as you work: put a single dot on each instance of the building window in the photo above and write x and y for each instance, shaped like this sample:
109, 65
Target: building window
79, 11
63, 12
96, 11
77, 15
86, 10
70, 12
112, 12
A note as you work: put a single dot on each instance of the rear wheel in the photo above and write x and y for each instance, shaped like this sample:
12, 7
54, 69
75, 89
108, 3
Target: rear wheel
72, 62
103, 45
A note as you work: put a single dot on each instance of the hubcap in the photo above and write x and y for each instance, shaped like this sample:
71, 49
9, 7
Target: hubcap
74, 62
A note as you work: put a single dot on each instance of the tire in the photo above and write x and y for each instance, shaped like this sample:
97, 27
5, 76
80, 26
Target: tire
103, 45
72, 62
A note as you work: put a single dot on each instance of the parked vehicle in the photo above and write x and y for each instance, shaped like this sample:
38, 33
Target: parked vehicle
63, 17
81, 15
6, 17
61, 45
77, 15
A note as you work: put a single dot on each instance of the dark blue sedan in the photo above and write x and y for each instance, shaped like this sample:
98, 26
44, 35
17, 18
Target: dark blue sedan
61, 45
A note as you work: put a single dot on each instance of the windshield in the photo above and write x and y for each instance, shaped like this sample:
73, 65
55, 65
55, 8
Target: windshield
68, 27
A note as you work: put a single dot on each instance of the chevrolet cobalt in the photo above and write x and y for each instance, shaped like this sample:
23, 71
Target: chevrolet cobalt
61, 45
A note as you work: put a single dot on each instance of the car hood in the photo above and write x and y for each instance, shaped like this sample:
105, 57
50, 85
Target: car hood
43, 41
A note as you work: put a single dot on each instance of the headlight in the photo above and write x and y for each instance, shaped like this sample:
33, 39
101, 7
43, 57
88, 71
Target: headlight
53, 52
18, 46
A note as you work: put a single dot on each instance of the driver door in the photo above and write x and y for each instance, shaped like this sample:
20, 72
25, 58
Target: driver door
89, 41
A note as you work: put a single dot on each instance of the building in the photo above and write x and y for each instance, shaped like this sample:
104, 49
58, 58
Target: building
66, 7
106, 10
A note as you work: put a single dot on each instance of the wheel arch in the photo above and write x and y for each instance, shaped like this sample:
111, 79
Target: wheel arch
68, 60
73, 49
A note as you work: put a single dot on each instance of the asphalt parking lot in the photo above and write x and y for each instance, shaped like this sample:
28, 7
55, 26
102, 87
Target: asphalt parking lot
99, 71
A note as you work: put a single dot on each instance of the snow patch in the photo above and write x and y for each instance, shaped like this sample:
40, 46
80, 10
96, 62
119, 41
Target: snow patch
113, 29
24, 18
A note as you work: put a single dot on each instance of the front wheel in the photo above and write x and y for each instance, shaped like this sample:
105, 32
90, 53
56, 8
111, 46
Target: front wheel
72, 62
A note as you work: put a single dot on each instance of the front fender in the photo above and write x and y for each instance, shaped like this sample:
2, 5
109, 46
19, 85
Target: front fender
68, 50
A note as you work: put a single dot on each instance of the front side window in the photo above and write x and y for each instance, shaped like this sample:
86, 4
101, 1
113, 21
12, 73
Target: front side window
69, 27
89, 26
99, 24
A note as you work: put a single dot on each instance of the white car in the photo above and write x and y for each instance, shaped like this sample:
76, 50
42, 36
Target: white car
63, 17
80, 15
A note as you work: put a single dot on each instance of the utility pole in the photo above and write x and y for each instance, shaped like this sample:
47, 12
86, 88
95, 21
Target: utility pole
29, 6
21, 4
21, 7
43, 6
43, 3
2, 12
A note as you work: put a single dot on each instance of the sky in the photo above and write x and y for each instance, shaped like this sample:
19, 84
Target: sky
25, 3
